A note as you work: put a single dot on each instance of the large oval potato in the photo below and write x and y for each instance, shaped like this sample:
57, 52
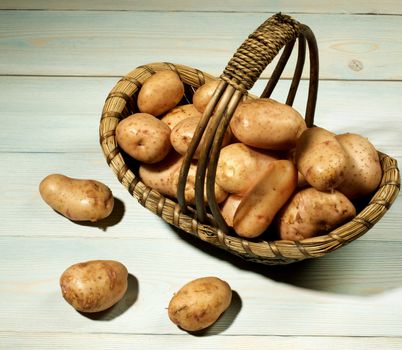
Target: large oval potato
189, 191
363, 174
203, 94
144, 137
321, 159
94, 285
179, 113
261, 203
199, 303
77, 199
311, 212
183, 133
160, 93
239, 167
159, 176
268, 124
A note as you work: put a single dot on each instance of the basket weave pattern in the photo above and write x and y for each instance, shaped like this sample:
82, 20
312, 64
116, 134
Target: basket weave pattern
242, 71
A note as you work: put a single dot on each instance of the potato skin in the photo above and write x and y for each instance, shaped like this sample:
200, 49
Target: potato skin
311, 212
179, 113
203, 94
261, 203
144, 137
239, 167
94, 285
229, 207
321, 159
160, 93
159, 176
363, 174
77, 199
199, 303
268, 124
183, 133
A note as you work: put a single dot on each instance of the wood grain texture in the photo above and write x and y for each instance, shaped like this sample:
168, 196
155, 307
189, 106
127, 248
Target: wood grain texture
43, 341
290, 6
284, 305
95, 43
70, 119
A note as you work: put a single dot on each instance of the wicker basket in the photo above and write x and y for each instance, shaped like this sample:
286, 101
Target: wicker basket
243, 70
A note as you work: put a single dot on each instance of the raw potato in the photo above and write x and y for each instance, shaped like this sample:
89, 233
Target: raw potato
159, 176
199, 303
77, 199
160, 93
363, 174
229, 207
94, 285
189, 191
268, 124
144, 137
311, 212
177, 114
183, 133
321, 159
240, 166
203, 94
260, 205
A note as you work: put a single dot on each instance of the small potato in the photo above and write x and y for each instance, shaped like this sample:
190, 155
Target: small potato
229, 207
144, 137
94, 285
199, 303
240, 166
260, 205
311, 212
363, 174
321, 159
189, 191
177, 114
268, 124
159, 176
203, 94
77, 199
160, 93
183, 133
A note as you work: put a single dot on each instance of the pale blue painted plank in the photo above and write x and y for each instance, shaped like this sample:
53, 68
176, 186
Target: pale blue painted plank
113, 43
24, 340
291, 6
62, 114
268, 301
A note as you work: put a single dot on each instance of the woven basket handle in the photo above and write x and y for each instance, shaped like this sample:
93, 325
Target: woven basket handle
240, 74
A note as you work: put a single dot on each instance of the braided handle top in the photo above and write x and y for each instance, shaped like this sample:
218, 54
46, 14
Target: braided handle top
258, 50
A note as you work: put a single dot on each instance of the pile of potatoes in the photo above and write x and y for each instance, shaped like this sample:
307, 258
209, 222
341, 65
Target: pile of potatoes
274, 176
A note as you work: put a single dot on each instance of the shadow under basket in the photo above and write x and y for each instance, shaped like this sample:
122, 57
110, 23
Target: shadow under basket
243, 70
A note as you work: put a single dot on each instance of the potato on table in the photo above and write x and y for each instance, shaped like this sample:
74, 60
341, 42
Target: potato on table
311, 212
95, 285
77, 199
199, 303
160, 93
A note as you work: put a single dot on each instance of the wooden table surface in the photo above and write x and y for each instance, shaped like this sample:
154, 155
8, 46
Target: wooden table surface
58, 61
